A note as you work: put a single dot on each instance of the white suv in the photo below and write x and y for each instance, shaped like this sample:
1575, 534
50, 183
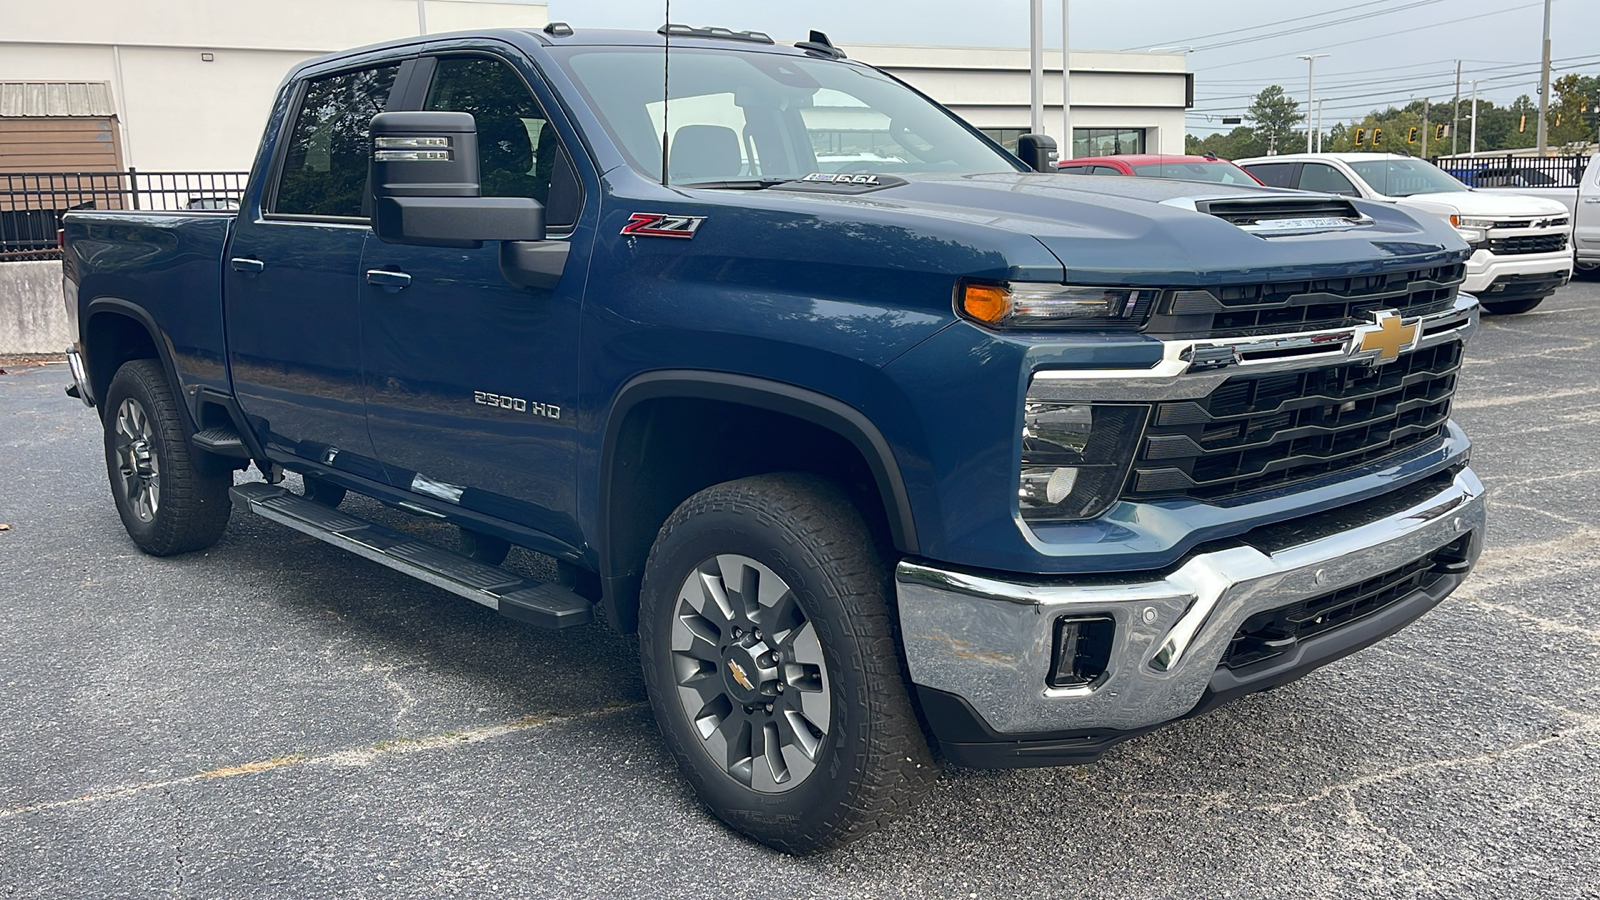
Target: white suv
1520, 244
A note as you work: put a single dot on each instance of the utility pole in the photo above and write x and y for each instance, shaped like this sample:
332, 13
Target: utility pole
422, 17
1473, 149
1544, 82
1319, 123
1066, 80
1311, 67
1427, 104
1036, 64
1455, 117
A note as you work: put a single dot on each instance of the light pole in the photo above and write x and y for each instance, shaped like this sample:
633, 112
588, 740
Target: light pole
1036, 64
1472, 148
1066, 79
422, 17
1311, 66
1544, 82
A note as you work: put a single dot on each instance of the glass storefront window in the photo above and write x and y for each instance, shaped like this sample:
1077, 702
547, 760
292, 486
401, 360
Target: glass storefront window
1106, 141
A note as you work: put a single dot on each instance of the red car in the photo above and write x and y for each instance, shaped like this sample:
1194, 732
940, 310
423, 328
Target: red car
1155, 165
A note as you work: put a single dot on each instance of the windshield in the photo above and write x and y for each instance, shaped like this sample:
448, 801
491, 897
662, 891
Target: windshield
1404, 177
1219, 172
740, 116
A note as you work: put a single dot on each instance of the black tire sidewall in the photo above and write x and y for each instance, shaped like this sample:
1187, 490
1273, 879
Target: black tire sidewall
126, 385
1511, 307
802, 810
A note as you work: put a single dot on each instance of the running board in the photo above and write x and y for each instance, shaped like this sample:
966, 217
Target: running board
516, 597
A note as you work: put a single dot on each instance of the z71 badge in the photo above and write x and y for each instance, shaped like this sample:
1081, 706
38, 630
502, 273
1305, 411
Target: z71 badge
662, 225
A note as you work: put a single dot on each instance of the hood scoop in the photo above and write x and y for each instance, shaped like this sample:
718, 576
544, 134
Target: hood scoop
1279, 216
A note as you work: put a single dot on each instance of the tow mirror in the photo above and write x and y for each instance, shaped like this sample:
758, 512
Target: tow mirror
1038, 151
425, 189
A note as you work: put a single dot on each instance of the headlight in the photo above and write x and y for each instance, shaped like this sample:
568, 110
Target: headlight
1469, 222
1075, 457
1034, 305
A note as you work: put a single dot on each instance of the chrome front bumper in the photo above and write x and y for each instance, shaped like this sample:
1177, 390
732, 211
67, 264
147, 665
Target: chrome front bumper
989, 640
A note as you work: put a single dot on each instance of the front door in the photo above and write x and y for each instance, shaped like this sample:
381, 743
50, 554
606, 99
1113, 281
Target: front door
472, 382
292, 279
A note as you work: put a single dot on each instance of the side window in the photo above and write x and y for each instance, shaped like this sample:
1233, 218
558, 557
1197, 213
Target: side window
1107, 170
1274, 174
325, 167
1076, 170
519, 154
1325, 178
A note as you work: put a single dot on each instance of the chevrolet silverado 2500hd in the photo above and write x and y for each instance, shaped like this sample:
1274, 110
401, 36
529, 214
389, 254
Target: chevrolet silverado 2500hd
873, 453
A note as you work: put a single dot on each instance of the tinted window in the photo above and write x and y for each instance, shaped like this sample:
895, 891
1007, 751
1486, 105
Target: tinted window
325, 167
1107, 170
519, 154
1274, 174
1321, 177
1219, 172
1404, 177
1076, 170
737, 115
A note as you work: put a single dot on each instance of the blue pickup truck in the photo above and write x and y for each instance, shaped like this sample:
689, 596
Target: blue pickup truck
890, 446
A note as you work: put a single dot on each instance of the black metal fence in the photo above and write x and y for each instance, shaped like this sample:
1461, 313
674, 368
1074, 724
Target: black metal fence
32, 203
1507, 170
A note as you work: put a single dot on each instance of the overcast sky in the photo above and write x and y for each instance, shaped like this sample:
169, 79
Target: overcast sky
1382, 51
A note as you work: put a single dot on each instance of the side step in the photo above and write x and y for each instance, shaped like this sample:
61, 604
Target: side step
516, 597
221, 440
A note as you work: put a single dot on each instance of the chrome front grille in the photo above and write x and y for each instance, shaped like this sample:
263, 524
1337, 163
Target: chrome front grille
1259, 432
1538, 243
1288, 306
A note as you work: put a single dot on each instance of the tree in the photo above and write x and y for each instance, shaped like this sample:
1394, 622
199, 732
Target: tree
1573, 110
1239, 143
1274, 116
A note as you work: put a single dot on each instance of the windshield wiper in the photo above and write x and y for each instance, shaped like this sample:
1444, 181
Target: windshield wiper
742, 184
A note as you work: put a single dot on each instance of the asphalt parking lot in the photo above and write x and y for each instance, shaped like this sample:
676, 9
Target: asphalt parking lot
276, 718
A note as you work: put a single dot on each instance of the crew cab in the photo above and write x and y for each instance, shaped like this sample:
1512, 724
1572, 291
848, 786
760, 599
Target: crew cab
1156, 165
1520, 251
935, 446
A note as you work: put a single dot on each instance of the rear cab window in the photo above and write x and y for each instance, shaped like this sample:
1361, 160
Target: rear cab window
324, 168
1275, 174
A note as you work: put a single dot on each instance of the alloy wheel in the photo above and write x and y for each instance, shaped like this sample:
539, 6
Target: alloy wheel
138, 465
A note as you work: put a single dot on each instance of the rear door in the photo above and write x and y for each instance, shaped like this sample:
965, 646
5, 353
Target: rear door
472, 382
292, 279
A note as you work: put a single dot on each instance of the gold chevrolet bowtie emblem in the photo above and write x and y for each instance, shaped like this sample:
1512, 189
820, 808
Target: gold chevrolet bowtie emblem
1389, 337
740, 676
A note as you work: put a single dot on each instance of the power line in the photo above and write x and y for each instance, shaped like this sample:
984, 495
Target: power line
1213, 34
1305, 28
1387, 34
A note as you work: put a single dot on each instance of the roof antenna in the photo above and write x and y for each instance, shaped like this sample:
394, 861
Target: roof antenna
666, 75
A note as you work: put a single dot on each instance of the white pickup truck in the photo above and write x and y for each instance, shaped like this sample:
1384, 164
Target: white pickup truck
1583, 202
1520, 244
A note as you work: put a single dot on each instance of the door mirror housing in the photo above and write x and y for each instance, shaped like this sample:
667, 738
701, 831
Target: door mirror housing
425, 190
1038, 151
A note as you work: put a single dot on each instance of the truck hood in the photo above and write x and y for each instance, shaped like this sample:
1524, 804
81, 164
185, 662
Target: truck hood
1479, 203
1127, 230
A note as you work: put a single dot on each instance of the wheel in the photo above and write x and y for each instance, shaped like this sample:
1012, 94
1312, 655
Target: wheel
491, 551
169, 500
771, 665
1587, 273
1511, 307
319, 491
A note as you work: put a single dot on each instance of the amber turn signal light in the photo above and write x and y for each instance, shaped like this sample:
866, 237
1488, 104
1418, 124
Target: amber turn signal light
987, 303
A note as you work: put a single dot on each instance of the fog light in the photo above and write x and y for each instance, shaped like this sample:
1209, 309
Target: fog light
1082, 651
1075, 457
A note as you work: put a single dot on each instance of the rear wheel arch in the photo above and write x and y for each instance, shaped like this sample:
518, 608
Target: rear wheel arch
116, 331
657, 452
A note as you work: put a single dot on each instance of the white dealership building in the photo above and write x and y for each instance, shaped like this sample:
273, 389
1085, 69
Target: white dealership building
186, 85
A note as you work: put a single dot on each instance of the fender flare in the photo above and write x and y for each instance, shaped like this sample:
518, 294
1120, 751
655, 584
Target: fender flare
158, 337
760, 393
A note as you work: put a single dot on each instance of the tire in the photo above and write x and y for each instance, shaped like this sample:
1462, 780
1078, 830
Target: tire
320, 491
1511, 307
170, 501
850, 754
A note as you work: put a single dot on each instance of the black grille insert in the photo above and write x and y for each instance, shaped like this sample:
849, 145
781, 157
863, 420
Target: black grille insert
1242, 310
1275, 632
1259, 432
1540, 243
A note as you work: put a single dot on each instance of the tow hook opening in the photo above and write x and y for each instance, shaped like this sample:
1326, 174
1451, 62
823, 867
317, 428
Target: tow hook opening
1082, 651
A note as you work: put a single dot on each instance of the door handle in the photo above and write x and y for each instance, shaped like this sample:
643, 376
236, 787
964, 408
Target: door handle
247, 266
1591, 199
388, 280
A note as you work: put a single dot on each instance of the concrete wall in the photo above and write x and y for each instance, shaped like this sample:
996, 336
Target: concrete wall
178, 112
33, 316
